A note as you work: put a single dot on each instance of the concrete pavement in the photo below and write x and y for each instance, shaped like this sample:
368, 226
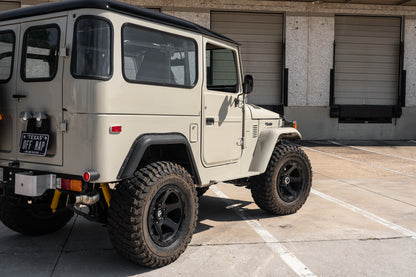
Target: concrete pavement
358, 221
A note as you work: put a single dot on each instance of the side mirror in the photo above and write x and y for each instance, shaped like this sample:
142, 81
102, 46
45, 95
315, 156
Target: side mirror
248, 84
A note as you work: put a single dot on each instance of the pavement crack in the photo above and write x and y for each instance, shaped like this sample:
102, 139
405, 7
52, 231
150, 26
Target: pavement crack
300, 241
380, 239
58, 258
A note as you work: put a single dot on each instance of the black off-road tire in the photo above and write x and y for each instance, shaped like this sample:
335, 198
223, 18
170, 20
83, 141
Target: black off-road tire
153, 214
33, 220
285, 186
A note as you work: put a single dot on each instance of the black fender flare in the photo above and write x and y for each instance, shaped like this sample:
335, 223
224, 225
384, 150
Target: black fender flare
143, 142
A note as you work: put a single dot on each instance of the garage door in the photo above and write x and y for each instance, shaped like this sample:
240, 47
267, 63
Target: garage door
4, 6
367, 54
261, 37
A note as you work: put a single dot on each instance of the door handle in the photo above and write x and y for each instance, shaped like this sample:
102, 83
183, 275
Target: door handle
210, 121
18, 96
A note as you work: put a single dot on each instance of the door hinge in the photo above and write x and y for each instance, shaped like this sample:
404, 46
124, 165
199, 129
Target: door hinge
63, 126
64, 52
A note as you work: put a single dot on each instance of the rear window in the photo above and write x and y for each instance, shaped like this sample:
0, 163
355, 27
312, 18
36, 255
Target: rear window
40, 53
7, 41
92, 53
159, 58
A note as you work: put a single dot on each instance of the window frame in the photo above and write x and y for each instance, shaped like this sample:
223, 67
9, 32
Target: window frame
13, 55
24, 47
236, 64
74, 52
123, 28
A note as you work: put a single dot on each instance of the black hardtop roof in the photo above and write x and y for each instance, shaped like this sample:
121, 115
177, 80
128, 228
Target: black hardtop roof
115, 6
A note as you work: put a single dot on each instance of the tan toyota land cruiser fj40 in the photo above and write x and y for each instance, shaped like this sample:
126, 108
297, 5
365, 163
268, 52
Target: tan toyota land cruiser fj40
125, 116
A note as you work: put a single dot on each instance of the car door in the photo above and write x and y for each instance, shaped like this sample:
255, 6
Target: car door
9, 45
39, 91
222, 110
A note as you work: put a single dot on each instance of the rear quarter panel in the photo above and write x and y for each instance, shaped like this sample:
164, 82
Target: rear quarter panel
92, 106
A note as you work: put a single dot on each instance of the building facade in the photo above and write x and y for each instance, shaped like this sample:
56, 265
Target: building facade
343, 69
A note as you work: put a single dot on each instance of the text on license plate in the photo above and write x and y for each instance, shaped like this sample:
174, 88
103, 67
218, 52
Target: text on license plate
34, 144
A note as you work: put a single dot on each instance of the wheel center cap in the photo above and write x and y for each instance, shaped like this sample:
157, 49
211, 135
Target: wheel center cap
159, 214
286, 180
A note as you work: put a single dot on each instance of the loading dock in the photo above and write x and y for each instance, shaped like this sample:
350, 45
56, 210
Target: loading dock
261, 38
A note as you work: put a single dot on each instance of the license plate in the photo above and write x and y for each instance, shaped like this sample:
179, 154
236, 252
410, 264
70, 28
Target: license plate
34, 144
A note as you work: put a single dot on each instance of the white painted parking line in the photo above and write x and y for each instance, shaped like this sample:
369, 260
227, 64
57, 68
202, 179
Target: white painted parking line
366, 214
273, 243
371, 151
364, 163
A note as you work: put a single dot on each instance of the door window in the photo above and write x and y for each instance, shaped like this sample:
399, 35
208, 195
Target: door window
7, 41
40, 53
221, 67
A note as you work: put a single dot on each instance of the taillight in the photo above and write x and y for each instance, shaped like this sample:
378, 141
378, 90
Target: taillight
69, 184
90, 175
86, 176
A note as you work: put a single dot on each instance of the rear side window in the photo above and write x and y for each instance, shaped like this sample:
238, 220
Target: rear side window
92, 52
7, 41
40, 53
159, 58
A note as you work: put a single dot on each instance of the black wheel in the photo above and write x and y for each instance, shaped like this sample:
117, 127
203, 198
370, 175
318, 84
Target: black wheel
286, 184
153, 214
36, 218
200, 191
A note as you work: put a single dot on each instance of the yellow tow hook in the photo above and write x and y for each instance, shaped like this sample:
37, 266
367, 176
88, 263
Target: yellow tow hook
55, 200
107, 193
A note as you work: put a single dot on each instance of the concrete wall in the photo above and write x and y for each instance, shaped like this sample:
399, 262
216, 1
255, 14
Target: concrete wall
315, 124
410, 60
309, 36
310, 58
309, 51
201, 17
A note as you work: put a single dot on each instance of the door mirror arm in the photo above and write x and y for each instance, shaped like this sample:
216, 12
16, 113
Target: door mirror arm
239, 100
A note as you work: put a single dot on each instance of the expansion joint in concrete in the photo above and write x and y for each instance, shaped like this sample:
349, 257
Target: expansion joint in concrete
58, 258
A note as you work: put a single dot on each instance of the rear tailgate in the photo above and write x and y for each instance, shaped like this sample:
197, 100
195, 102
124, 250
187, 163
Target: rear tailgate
33, 96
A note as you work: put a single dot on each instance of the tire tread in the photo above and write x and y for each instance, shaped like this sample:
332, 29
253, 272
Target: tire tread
127, 209
22, 219
263, 186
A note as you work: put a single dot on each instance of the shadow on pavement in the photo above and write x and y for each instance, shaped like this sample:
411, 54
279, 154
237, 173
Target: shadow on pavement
215, 209
82, 248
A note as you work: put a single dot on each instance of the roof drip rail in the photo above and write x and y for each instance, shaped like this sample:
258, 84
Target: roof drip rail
115, 6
